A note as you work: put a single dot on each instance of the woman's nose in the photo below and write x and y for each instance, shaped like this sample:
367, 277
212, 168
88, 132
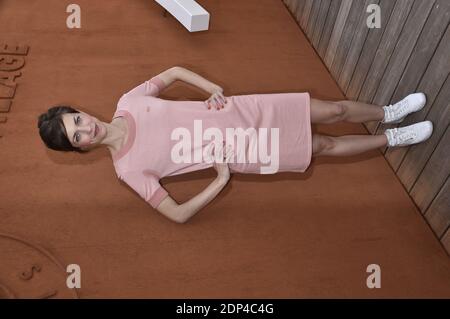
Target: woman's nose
86, 128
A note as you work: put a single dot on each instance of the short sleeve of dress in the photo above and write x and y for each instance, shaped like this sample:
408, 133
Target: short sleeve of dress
147, 186
152, 87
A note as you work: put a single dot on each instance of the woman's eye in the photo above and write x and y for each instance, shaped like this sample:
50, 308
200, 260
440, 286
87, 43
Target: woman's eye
77, 137
78, 119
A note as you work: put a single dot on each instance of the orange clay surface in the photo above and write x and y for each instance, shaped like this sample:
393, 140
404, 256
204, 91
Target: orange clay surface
287, 235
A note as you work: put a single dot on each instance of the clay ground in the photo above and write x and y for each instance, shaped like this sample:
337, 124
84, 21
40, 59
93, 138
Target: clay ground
265, 236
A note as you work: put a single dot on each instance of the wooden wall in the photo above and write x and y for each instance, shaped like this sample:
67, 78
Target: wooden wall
409, 53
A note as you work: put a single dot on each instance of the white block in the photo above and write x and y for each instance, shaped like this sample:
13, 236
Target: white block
188, 12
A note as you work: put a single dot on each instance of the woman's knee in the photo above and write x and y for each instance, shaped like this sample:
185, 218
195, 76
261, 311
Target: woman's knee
327, 112
322, 144
340, 110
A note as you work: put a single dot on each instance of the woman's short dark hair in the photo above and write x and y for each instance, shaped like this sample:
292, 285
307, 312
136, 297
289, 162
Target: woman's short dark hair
52, 130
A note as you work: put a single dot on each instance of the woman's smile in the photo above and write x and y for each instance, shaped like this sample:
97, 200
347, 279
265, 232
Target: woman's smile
95, 130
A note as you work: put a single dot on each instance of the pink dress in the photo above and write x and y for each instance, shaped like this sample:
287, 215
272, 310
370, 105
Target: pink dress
268, 133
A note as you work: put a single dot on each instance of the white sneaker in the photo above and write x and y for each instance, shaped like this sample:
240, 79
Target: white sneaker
408, 135
397, 112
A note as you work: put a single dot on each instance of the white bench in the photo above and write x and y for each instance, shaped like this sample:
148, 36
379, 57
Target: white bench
188, 12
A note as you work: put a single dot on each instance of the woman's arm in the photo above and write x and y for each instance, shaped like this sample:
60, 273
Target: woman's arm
181, 213
190, 77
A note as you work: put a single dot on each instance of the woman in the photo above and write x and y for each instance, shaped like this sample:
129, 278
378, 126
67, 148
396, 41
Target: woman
150, 138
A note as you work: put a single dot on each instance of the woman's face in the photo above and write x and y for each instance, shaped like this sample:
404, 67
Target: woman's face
83, 130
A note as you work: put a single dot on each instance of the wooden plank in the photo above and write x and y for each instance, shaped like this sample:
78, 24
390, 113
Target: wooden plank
387, 46
337, 32
432, 33
355, 50
438, 214
292, 6
430, 38
295, 4
418, 155
299, 10
372, 47
400, 58
431, 84
320, 22
434, 174
385, 49
305, 14
328, 27
289, 4
402, 52
352, 26
312, 18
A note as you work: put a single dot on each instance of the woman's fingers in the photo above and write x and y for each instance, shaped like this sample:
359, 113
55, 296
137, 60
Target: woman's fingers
220, 101
216, 100
211, 103
223, 99
224, 154
228, 153
211, 152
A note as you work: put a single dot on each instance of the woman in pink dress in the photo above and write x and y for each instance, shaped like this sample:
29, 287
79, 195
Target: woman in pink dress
150, 138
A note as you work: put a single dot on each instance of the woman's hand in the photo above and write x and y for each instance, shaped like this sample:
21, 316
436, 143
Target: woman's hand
223, 171
217, 99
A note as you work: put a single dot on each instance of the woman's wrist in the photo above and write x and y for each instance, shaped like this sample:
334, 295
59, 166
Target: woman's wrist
214, 88
222, 179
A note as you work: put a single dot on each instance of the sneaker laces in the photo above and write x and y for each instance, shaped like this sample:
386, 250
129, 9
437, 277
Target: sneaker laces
406, 136
399, 108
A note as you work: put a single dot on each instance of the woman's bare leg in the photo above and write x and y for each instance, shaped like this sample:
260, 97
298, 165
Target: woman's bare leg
327, 112
346, 145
